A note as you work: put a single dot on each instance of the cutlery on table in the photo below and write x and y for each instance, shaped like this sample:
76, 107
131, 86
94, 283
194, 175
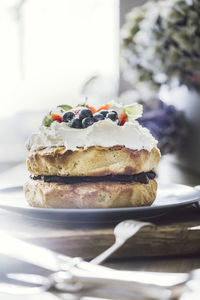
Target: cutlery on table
72, 274
123, 231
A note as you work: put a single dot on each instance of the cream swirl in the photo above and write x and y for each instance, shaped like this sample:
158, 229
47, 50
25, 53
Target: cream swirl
103, 133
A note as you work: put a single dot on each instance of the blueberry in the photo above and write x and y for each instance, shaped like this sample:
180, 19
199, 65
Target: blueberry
98, 117
103, 112
76, 123
68, 116
112, 116
86, 122
114, 112
85, 113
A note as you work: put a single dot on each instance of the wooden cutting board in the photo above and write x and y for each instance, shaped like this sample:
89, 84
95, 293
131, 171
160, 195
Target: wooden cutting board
176, 233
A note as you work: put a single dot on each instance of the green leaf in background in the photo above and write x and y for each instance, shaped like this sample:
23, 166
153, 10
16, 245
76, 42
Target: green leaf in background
65, 107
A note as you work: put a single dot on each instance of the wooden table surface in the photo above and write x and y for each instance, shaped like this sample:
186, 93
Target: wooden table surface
53, 235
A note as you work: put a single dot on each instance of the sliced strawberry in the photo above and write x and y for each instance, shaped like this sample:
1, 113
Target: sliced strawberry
56, 117
123, 119
104, 107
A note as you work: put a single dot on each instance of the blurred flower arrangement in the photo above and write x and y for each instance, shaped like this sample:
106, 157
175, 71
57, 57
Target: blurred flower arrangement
166, 123
160, 44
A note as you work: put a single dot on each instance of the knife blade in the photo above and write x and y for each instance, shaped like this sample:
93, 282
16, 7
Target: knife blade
29, 253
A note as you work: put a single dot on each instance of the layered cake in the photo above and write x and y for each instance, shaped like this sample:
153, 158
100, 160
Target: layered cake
84, 157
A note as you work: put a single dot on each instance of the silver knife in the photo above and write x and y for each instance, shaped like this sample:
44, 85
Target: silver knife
74, 270
29, 253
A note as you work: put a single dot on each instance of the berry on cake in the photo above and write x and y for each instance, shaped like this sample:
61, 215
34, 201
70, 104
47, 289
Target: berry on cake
85, 157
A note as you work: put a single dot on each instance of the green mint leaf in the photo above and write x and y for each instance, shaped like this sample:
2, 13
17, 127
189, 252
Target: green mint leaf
65, 107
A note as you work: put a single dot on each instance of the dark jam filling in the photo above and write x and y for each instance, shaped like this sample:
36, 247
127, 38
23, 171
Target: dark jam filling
141, 177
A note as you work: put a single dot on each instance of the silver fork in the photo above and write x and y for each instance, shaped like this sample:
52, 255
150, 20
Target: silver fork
123, 231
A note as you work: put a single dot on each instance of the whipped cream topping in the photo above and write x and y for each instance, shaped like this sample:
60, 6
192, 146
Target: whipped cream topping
103, 133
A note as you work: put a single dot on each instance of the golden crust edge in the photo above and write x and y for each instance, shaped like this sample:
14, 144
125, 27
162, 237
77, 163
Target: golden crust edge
90, 162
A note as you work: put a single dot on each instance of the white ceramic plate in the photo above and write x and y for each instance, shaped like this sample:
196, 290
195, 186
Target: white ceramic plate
169, 196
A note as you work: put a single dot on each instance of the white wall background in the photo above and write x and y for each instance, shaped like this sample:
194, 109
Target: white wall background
48, 49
